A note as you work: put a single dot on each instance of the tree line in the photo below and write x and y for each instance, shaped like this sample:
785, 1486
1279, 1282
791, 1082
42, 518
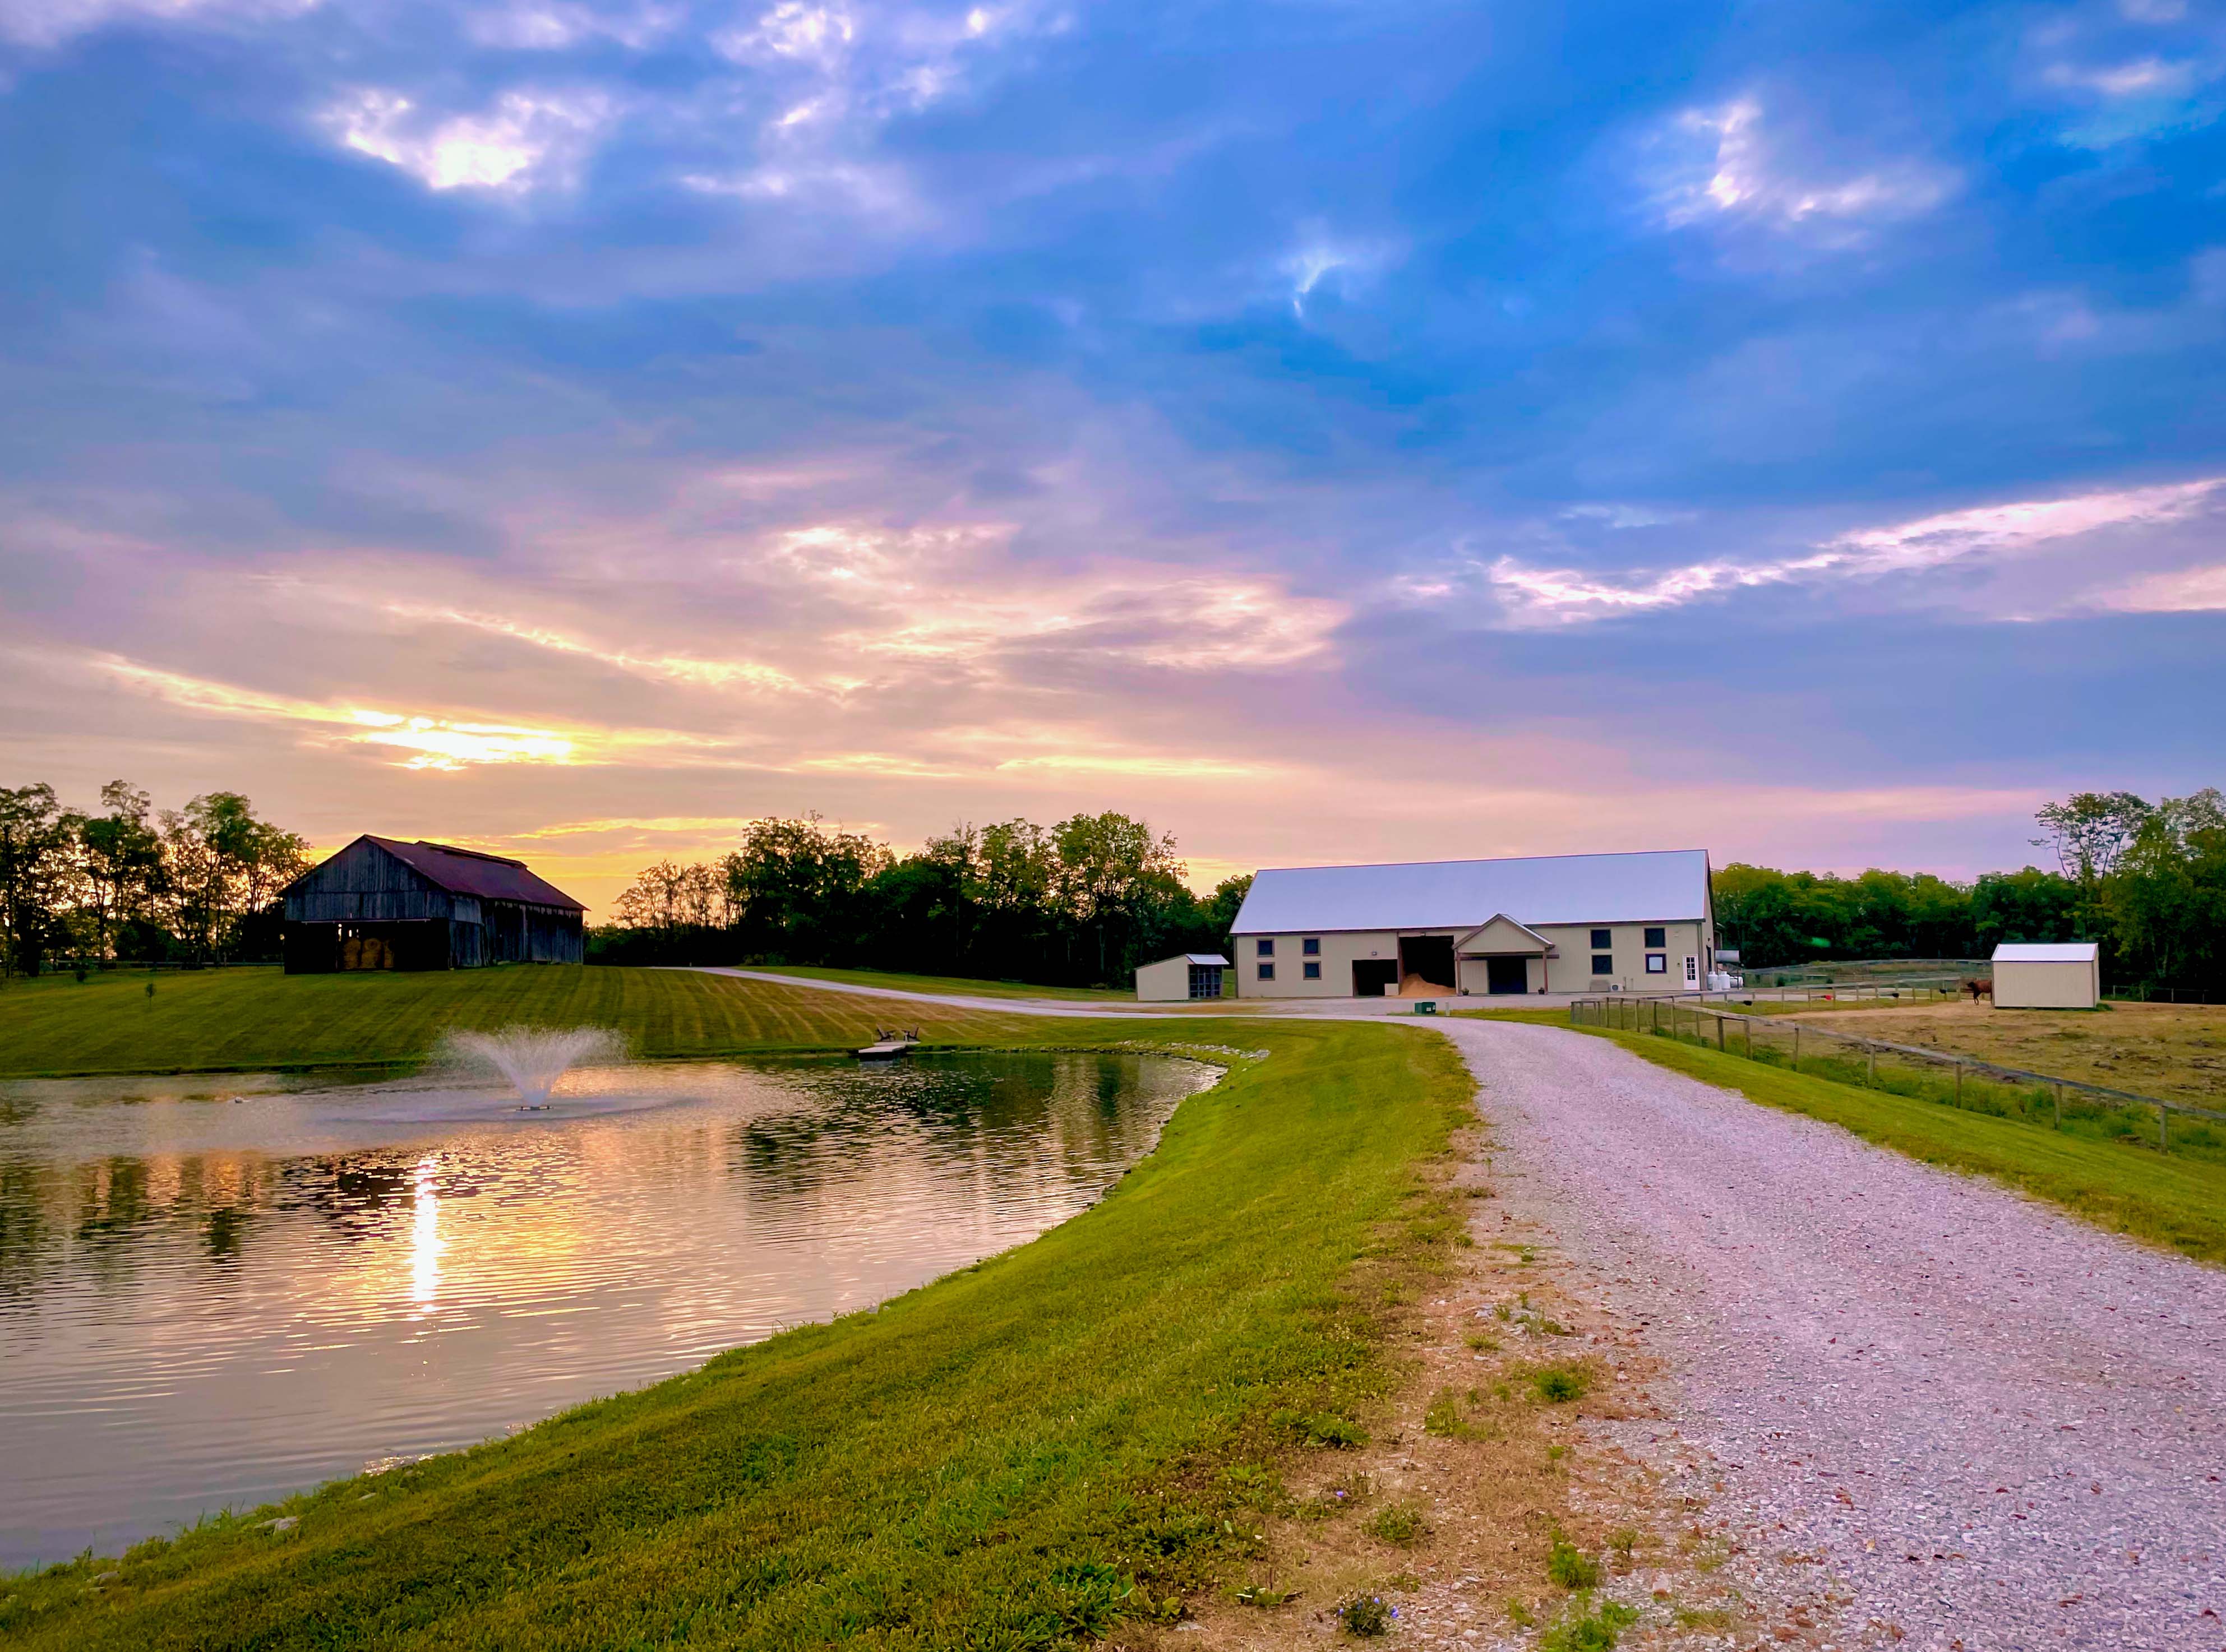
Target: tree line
126, 883
1080, 902
2145, 880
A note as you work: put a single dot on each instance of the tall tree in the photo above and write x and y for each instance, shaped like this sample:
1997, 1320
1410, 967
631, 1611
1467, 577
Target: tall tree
119, 862
35, 842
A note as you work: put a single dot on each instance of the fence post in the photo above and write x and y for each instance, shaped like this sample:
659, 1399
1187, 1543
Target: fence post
1796, 1046
1720, 1032
1749, 1025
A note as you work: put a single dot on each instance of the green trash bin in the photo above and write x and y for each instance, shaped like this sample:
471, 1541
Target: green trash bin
1426, 1007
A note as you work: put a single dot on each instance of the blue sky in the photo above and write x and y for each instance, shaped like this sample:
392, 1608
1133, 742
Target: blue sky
1340, 432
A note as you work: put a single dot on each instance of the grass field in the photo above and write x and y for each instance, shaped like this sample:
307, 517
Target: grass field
2172, 1199
1020, 1456
248, 1019
955, 986
2174, 1051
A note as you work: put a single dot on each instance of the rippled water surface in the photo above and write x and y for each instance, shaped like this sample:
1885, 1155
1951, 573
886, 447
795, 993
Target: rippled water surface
213, 1293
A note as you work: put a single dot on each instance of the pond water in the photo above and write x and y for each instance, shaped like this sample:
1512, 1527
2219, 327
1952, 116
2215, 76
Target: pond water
215, 1291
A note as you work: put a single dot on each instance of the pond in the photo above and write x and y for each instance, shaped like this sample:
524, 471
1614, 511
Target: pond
215, 1292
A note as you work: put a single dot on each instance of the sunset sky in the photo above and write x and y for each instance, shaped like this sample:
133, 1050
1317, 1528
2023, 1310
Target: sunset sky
1335, 431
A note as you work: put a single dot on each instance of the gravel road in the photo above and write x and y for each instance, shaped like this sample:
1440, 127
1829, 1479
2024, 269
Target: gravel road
1998, 1427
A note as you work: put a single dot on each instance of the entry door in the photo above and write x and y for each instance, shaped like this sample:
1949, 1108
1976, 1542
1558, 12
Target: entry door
1507, 974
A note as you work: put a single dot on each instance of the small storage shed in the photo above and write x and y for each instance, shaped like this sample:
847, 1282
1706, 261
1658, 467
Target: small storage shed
1189, 974
380, 903
2047, 975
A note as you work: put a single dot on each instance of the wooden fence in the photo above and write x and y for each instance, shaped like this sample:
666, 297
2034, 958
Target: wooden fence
1900, 1069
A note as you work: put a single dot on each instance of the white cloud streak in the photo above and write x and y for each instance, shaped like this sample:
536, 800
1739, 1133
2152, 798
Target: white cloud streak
1536, 596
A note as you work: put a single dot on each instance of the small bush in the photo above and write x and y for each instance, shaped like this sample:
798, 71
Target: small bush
1558, 1384
1367, 1616
1444, 1418
1571, 1567
1399, 1523
1597, 1631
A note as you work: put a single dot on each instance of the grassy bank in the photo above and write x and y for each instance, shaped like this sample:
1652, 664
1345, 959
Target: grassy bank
954, 985
2173, 1200
1018, 1456
246, 1018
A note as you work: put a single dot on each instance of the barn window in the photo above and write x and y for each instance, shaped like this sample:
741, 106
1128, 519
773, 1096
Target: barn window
1658, 937
1603, 963
1266, 972
1602, 938
1311, 971
1311, 946
1657, 963
1266, 948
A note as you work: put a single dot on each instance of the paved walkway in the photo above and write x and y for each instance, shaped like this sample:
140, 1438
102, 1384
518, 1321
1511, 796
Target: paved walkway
1996, 1427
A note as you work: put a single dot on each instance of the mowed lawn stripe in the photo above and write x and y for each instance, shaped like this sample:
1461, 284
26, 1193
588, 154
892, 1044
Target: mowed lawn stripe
240, 1018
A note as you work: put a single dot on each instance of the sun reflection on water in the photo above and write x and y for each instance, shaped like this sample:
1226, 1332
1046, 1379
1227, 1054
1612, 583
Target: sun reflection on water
425, 1235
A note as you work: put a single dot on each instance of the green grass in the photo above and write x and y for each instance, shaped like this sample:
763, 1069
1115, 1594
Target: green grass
2169, 1199
954, 985
1019, 1456
247, 1018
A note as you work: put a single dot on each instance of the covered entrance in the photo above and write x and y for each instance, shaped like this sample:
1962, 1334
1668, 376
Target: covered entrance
1500, 952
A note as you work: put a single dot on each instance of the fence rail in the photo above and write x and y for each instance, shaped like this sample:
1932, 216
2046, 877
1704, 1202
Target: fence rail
1976, 1084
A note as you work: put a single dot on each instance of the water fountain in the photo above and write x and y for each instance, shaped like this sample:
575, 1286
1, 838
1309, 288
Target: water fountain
534, 1058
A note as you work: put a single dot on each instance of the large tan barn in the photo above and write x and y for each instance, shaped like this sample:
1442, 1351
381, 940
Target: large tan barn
2047, 975
1561, 923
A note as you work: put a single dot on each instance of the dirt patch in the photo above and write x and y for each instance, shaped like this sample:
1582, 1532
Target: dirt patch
1493, 1505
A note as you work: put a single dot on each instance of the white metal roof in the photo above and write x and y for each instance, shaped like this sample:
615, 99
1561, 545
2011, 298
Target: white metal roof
1195, 958
1656, 886
2044, 952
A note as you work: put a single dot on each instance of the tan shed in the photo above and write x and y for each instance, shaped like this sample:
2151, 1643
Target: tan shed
1187, 975
2047, 975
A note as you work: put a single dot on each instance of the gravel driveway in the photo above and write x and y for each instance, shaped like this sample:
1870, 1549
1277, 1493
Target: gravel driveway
1997, 1426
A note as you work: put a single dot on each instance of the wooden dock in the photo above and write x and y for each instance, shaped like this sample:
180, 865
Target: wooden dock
888, 1046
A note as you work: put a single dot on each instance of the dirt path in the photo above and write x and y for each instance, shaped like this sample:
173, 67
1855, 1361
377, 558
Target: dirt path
1987, 1424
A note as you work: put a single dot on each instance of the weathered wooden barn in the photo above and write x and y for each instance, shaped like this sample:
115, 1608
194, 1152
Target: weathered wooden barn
383, 904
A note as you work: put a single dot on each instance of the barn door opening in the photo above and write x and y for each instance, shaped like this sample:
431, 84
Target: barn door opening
1428, 958
1373, 978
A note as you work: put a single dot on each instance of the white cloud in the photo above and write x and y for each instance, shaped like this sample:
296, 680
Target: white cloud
2188, 590
525, 140
1321, 257
1731, 171
555, 25
1532, 595
794, 30
1625, 515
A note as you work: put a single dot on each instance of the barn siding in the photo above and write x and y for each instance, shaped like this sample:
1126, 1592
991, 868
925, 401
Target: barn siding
365, 885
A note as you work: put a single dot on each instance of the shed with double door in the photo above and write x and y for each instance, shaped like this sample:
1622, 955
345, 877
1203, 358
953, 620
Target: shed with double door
2048, 975
1187, 975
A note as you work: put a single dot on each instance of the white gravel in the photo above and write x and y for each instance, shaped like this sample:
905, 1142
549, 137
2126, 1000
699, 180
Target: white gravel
2000, 1428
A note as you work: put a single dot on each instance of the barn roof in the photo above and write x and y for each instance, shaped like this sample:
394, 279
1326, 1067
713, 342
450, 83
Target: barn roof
1655, 885
469, 871
2045, 952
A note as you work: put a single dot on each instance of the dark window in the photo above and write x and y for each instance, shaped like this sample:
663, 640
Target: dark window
1311, 971
1311, 946
1600, 938
1266, 947
1657, 937
1603, 963
1657, 963
1267, 970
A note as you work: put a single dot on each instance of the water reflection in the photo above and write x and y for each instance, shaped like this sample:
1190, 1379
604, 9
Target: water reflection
210, 1295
